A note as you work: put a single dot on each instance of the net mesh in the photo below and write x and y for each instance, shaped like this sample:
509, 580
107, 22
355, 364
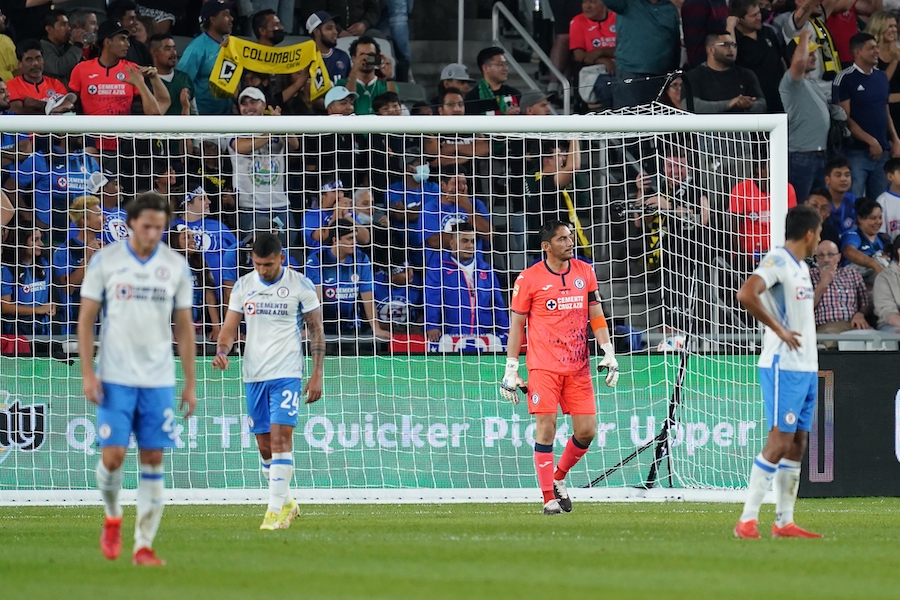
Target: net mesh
672, 223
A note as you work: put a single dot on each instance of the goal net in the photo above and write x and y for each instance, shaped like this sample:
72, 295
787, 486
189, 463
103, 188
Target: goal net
673, 210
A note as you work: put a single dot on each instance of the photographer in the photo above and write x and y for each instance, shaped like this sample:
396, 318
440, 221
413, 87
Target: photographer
371, 74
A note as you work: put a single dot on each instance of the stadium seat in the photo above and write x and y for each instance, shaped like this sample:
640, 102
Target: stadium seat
181, 42
411, 92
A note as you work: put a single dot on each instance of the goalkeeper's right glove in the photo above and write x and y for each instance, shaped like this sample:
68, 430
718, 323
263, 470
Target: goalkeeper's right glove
511, 382
610, 364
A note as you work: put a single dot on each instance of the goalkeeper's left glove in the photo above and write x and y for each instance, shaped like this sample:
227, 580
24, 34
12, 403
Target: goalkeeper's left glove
511, 382
609, 363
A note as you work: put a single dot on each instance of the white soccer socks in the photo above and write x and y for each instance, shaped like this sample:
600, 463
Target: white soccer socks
280, 474
787, 482
761, 476
149, 505
109, 483
265, 466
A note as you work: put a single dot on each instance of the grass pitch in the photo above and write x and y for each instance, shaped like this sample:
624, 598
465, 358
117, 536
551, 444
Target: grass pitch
465, 551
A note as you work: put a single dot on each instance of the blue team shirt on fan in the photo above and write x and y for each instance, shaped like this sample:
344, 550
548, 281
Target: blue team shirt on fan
439, 217
115, 226
57, 180
313, 220
66, 259
862, 243
844, 217
342, 283
412, 199
215, 239
29, 290
338, 64
397, 303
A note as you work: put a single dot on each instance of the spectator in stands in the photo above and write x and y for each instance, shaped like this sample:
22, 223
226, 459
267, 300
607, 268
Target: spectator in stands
759, 49
810, 15
750, 206
163, 14
387, 105
841, 298
25, 19
844, 17
8, 62
648, 46
109, 84
86, 19
548, 196
260, 167
592, 40
673, 94
200, 56
492, 95
70, 260
371, 74
125, 12
398, 299
396, 19
139, 31
178, 84
462, 292
534, 103
25, 300
205, 306
56, 178
105, 185
451, 101
883, 26
323, 30
719, 85
838, 180
353, 17
890, 200
284, 90
342, 274
406, 198
455, 76
279, 14
30, 91
330, 207
421, 108
808, 118
386, 150
700, 18
862, 92
563, 12
453, 206
886, 293
164, 178
340, 101
820, 199
864, 247
62, 47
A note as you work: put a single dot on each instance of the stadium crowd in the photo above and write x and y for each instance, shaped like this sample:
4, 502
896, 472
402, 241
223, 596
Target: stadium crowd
399, 232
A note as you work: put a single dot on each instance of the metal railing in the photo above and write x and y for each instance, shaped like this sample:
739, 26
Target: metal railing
499, 9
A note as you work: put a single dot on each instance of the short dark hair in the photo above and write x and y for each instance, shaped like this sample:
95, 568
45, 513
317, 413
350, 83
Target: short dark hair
548, 229
363, 39
258, 20
464, 227
740, 8
893, 164
859, 40
147, 201
341, 228
52, 17
419, 107
799, 220
26, 45
487, 54
713, 36
266, 244
116, 9
820, 192
838, 162
79, 15
448, 172
442, 96
157, 39
382, 100
865, 207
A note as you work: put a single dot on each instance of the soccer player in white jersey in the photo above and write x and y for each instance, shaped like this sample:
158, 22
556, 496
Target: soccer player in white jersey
275, 302
780, 295
140, 284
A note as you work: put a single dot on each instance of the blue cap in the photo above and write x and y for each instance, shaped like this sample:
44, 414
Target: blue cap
337, 184
193, 194
338, 92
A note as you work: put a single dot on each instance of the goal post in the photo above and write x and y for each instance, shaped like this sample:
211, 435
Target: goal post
416, 418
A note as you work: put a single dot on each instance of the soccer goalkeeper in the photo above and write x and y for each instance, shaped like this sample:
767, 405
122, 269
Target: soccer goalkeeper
558, 297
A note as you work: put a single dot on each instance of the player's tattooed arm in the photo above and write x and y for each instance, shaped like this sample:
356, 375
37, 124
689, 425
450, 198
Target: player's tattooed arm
316, 334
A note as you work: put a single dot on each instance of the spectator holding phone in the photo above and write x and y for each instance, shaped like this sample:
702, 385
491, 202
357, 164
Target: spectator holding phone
371, 74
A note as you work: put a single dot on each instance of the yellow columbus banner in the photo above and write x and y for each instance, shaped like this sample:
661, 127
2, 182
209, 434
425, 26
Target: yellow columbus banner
239, 54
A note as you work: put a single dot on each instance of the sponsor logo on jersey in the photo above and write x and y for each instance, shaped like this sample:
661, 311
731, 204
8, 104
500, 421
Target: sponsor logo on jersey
551, 304
546, 287
62, 182
282, 292
92, 89
104, 431
249, 308
330, 293
579, 283
123, 291
848, 223
805, 292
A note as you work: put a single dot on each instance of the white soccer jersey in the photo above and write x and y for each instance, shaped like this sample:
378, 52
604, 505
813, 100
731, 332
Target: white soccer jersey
138, 298
890, 210
789, 298
260, 178
273, 313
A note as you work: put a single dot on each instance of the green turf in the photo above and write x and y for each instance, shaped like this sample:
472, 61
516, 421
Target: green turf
638, 550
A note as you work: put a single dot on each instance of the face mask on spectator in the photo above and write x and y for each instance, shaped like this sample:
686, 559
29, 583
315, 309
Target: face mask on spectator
278, 36
362, 218
422, 173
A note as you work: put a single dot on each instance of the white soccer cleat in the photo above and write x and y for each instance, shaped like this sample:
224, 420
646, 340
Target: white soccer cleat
552, 507
562, 495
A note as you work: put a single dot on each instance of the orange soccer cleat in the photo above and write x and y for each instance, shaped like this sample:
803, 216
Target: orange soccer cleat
111, 538
792, 531
147, 557
746, 530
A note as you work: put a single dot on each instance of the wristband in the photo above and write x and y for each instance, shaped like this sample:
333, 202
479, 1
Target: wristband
598, 323
221, 352
390, 79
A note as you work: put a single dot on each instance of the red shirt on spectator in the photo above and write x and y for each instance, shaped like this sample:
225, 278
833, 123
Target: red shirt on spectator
843, 26
19, 89
104, 91
752, 206
588, 35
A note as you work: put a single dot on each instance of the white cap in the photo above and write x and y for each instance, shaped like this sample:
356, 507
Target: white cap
58, 100
96, 182
338, 92
316, 19
252, 92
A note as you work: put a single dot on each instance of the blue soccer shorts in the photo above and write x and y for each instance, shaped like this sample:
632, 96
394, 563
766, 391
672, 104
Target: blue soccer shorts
273, 401
149, 413
789, 397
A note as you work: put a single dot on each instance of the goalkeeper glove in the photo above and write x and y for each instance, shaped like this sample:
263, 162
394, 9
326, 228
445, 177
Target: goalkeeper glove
511, 382
609, 363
